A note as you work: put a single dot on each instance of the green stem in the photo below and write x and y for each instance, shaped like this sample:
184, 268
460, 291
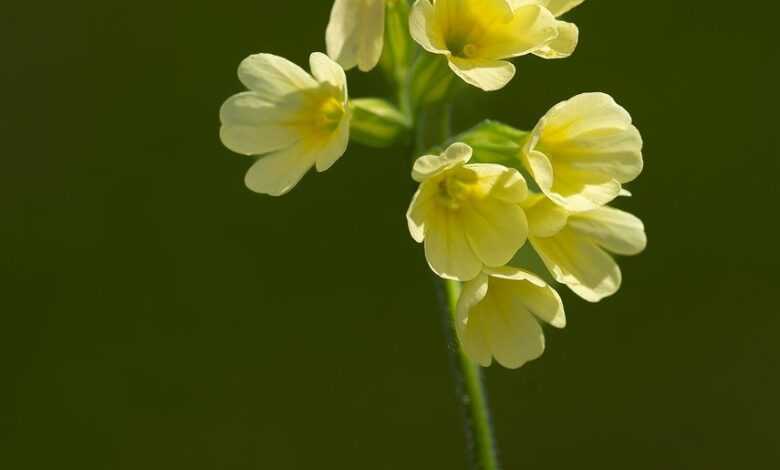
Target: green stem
433, 128
474, 399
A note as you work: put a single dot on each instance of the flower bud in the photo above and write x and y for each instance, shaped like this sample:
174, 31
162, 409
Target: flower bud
377, 123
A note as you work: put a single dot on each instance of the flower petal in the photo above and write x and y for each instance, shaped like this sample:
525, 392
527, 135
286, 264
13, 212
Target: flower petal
495, 230
545, 218
425, 29
335, 146
562, 46
577, 262
488, 75
530, 28
251, 126
355, 33
273, 77
502, 183
423, 203
512, 332
430, 165
613, 229
277, 173
327, 71
447, 249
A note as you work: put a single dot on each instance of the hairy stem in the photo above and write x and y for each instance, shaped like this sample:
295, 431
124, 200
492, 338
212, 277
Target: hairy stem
432, 129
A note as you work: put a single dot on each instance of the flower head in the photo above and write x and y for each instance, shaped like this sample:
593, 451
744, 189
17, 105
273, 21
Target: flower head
355, 33
293, 119
469, 216
477, 35
583, 150
498, 313
575, 246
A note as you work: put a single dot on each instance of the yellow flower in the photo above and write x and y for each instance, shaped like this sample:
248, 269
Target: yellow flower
497, 316
295, 120
469, 216
575, 246
355, 33
476, 35
568, 33
583, 150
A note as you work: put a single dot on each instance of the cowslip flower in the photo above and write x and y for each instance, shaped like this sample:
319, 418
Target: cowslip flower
568, 33
498, 313
576, 246
468, 215
477, 35
293, 120
583, 150
355, 33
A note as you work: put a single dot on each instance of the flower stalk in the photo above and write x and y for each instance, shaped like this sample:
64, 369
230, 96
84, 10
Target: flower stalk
433, 127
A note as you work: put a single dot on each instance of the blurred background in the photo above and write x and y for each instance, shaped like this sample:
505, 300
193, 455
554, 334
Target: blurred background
157, 314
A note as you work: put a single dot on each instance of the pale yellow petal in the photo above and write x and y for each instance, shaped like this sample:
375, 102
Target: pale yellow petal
423, 203
327, 71
562, 46
252, 126
334, 148
424, 28
277, 173
545, 218
488, 75
502, 183
355, 33
430, 165
495, 230
560, 7
530, 28
447, 249
544, 302
514, 335
580, 264
616, 231
273, 77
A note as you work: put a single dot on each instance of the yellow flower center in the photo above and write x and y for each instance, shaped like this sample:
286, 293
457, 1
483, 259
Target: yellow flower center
319, 115
458, 186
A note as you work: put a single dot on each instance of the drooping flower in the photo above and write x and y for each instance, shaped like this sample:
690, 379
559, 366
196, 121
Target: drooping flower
568, 33
583, 150
498, 313
291, 119
477, 36
576, 246
355, 33
468, 215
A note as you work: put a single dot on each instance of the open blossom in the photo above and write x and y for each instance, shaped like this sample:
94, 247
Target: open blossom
355, 33
576, 246
477, 36
291, 119
469, 216
583, 150
498, 314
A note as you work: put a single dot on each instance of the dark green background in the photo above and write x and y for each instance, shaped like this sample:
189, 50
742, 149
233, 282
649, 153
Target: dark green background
156, 314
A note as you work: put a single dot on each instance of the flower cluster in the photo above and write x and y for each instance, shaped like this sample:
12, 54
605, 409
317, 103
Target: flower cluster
474, 210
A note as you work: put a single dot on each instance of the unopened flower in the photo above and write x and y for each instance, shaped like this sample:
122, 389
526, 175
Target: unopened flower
568, 33
477, 35
291, 119
583, 150
498, 313
469, 216
355, 33
576, 246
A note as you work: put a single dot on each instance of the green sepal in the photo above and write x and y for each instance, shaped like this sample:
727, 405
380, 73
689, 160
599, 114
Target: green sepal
377, 123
